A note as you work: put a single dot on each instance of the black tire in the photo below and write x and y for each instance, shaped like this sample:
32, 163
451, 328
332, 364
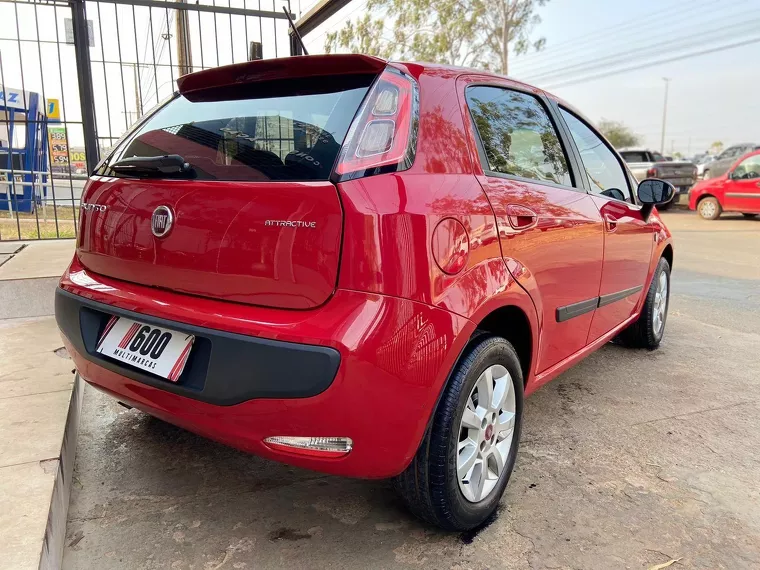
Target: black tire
706, 212
430, 486
749, 216
643, 333
706, 174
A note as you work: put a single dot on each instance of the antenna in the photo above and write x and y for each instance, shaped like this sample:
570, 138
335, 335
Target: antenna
295, 31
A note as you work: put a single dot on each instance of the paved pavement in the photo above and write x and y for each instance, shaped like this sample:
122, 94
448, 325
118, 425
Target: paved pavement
29, 273
629, 460
35, 402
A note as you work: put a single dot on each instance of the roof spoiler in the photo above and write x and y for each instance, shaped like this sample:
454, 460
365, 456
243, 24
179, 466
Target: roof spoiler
281, 68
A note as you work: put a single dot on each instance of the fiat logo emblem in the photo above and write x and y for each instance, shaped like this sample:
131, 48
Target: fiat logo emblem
161, 221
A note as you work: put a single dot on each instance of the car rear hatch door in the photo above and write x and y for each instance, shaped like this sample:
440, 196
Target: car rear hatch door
253, 217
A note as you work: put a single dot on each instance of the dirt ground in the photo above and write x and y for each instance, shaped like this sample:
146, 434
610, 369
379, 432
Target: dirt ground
629, 460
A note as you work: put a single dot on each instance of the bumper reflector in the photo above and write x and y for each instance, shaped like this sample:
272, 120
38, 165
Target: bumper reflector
311, 446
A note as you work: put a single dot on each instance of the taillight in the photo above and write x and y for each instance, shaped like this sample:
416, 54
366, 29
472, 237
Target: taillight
383, 136
652, 173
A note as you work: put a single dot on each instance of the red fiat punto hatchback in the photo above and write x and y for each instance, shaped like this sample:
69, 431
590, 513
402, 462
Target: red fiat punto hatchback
361, 267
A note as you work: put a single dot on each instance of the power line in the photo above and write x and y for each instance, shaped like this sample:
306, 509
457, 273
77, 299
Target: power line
585, 42
686, 42
154, 79
573, 56
652, 63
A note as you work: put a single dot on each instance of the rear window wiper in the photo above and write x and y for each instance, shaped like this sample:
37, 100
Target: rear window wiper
168, 166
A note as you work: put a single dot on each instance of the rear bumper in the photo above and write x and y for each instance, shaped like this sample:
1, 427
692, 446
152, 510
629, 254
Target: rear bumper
682, 185
391, 358
224, 368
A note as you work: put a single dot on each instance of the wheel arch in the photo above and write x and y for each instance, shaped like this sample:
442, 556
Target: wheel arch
511, 323
667, 253
706, 195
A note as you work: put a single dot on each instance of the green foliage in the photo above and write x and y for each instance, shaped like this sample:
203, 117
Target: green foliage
618, 134
479, 33
716, 147
507, 26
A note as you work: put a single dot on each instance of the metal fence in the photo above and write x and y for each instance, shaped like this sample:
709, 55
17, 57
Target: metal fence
75, 75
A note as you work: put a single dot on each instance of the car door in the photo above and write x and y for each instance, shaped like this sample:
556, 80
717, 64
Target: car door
742, 190
628, 238
550, 231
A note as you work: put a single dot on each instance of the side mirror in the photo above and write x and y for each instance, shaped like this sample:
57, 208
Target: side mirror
653, 191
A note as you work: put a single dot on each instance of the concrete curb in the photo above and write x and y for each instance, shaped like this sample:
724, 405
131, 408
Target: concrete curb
55, 532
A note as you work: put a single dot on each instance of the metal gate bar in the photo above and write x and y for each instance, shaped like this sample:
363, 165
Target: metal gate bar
166, 40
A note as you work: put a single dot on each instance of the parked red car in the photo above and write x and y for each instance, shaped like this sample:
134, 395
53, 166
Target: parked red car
738, 190
361, 267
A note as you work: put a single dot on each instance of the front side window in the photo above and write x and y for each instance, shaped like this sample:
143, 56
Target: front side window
517, 134
288, 130
748, 168
605, 174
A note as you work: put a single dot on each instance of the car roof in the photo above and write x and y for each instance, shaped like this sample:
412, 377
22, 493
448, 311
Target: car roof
462, 70
327, 64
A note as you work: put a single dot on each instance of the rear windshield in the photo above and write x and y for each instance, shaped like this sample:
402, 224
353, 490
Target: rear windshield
288, 130
635, 156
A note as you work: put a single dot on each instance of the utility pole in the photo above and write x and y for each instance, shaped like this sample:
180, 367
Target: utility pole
184, 54
138, 98
138, 95
664, 115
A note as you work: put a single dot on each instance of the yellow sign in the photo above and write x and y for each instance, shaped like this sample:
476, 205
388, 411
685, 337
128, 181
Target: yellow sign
54, 109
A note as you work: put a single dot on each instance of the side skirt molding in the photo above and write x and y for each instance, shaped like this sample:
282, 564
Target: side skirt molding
619, 296
577, 309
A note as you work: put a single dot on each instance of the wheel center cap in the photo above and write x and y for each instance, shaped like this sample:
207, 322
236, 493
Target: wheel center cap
489, 432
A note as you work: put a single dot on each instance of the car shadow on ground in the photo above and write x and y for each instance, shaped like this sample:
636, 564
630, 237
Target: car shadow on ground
154, 466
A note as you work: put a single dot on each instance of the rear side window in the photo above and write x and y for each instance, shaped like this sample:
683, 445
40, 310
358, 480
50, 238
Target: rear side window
288, 130
517, 134
631, 156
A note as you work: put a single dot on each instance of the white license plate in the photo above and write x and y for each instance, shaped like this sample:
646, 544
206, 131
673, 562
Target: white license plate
155, 349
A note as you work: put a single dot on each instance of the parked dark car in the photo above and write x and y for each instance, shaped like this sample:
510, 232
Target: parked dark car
361, 267
645, 163
725, 159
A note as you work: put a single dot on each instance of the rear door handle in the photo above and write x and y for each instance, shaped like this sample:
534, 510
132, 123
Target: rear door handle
610, 222
520, 217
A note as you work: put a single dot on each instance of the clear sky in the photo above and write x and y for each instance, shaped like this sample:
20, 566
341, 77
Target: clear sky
711, 97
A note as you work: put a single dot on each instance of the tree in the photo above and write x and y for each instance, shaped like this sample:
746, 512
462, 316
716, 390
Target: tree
716, 147
480, 33
618, 134
508, 22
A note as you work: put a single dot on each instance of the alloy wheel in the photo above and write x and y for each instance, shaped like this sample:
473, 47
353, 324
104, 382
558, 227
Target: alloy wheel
485, 433
660, 303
